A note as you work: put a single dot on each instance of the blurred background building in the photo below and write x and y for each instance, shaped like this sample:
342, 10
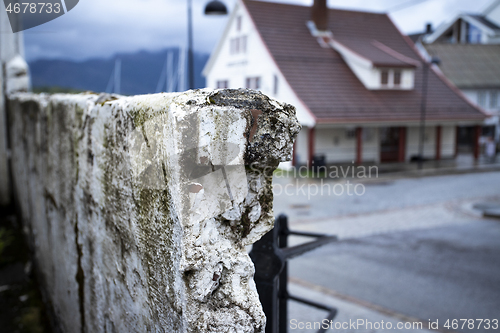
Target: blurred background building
469, 48
362, 91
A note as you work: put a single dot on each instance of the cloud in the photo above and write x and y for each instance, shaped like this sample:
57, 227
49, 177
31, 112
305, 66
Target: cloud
102, 28
96, 28
413, 19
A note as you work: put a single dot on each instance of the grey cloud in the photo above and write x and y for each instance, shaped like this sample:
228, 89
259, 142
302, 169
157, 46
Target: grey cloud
102, 28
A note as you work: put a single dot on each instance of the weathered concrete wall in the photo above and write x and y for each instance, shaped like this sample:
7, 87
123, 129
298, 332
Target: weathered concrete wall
139, 208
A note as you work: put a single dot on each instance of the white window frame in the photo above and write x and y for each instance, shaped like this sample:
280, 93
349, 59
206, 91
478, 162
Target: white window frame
482, 97
222, 84
494, 99
390, 78
253, 82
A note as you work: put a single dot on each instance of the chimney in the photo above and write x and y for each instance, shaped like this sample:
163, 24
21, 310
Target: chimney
319, 15
428, 28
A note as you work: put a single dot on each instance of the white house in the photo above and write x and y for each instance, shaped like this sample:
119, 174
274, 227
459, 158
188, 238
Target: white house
469, 49
481, 28
355, 80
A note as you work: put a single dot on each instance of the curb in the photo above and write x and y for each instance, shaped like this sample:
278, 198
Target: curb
439, 172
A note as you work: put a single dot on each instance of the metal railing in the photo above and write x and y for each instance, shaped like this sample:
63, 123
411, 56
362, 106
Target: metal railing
270, 255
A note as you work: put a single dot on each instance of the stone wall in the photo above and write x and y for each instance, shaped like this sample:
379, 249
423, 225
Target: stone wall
139, 208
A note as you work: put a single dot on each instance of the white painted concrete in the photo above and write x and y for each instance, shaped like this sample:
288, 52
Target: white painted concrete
132, 230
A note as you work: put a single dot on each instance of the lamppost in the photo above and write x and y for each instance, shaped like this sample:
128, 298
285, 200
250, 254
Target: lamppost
423, 107
214, 7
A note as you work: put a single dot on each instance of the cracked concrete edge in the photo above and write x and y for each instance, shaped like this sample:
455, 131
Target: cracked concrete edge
122, 240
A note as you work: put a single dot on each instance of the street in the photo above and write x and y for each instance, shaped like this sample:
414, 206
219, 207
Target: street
409, 250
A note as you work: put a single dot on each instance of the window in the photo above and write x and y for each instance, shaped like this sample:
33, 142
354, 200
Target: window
393, 79
253, 83
235, 45
494, 99
243, 44
397, 78
350, 133
238, 45
481, 98
368, 134
473, 34
222, 84
488, 131
384, 79
276, 83
238, 23
231, 46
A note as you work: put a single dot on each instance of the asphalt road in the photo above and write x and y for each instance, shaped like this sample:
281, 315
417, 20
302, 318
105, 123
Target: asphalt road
433, 271
442, 273
380, 194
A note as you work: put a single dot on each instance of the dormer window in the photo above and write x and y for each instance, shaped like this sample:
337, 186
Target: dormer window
391, 78
397, 78
389, 69
384, 77
473, 34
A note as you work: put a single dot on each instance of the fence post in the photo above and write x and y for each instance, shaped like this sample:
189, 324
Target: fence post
268, 264
270, 255
282, 225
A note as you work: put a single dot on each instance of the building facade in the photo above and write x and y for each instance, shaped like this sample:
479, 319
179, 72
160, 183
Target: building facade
356, 81
469, 49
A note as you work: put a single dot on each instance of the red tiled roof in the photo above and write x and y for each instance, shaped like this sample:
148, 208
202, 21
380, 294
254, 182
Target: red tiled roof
325, 83
377, 53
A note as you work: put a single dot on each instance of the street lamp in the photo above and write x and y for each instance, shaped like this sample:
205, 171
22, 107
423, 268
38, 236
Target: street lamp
423, 106
215, 7
212, 8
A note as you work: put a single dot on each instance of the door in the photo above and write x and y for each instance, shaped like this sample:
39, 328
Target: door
465, 139
389, 144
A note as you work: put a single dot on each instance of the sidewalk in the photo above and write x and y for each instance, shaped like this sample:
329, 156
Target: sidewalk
390, 206
391, 220
351, 309
463, 163
355, 316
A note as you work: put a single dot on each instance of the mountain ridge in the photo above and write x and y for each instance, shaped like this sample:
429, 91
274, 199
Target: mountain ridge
140, 72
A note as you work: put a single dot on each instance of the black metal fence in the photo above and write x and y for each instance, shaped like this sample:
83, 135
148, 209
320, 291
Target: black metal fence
270, 255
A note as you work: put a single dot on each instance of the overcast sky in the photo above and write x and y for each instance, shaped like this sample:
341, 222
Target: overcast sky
102, 28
